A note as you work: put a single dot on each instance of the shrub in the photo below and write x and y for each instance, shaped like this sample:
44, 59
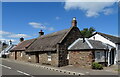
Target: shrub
96, 65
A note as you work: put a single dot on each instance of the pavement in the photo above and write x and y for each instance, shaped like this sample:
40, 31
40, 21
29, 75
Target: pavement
38, 69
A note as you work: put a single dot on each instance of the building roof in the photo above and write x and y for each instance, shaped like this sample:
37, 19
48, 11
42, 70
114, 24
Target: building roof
112, 38
79, 44
49, 42
23, 45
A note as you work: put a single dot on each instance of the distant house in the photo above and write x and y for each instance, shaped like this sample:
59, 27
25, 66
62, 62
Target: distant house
5, 51
114, 41
49, 49
83, 52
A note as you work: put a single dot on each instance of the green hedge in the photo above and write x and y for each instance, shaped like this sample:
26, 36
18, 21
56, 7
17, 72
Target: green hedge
96, 65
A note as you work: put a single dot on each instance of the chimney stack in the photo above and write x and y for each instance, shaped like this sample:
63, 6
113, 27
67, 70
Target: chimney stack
21, 39
74, 21
41, 33
10, 42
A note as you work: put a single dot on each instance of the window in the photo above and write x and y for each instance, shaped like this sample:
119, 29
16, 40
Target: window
29, 56
49, 56
21, 54
98, 55
68, 56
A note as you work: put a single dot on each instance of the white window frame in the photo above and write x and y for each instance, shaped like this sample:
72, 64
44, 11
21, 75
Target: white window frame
49, 56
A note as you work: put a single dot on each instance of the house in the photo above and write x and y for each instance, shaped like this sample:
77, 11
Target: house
18, 52
83, 52
114, 41
51, 48
6, 49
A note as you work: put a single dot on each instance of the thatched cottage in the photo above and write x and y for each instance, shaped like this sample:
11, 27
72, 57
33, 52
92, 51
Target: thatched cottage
49, 49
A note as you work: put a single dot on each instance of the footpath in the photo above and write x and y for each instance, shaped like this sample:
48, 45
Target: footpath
71, 70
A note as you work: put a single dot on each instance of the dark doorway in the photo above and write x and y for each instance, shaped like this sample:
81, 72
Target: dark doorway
112, 56
15, 55
37, 58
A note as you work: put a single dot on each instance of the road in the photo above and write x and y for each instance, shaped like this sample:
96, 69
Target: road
16, 69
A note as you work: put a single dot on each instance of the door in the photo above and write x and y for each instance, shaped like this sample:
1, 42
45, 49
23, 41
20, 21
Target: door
37, 58
15, 55
112, 56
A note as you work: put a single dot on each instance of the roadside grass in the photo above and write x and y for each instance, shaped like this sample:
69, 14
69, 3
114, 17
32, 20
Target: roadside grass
117, 70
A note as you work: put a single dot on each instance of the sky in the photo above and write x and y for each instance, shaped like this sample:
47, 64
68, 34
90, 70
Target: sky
26, 19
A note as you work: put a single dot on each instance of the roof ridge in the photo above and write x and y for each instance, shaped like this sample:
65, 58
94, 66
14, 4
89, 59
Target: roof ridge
52, 34
89, 44
108, 34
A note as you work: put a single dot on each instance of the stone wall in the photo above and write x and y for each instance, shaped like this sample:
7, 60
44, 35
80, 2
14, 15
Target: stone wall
12, 55
73, 35
21, 56
80, 58
43, 59
31, 57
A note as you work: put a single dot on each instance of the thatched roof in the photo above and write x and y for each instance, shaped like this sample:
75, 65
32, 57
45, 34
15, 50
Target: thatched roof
23, 45
45, 42
48, 42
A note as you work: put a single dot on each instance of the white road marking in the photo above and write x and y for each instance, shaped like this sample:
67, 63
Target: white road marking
6, 66
23, 73
17, 70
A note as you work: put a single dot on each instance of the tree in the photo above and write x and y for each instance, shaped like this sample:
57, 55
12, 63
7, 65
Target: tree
87, 32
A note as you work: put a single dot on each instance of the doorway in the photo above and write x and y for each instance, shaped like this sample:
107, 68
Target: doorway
15, 55
37, 57
112, 56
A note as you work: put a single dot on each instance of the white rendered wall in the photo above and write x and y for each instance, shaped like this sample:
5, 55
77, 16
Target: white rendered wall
102, 39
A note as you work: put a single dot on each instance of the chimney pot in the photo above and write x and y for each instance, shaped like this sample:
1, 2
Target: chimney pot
10, 42
41, 33
74, 21
21, 39
74, 18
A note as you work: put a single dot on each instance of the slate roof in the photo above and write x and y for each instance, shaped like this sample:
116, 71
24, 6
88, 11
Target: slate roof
23, 45
112, 38
80, 45
49, 42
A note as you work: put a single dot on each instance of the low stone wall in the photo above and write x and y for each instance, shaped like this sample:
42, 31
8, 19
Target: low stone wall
80, 58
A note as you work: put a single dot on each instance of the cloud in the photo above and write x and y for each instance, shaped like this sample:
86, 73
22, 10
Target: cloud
108, 11
4, 33
7, 36
7, 40
91, 9
18, 36
40, 26
57, 18
13, 35
37, 25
